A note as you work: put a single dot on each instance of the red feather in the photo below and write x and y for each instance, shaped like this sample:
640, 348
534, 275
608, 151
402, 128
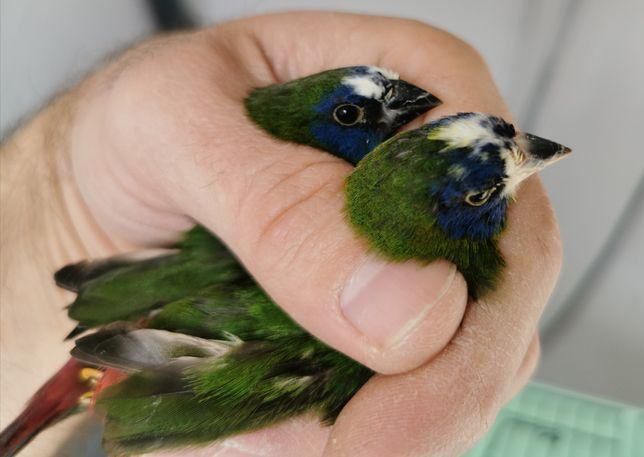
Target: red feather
57, 398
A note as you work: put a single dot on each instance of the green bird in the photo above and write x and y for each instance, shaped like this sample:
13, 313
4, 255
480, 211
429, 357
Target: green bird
346, 112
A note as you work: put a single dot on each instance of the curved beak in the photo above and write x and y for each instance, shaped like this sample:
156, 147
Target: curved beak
407, 102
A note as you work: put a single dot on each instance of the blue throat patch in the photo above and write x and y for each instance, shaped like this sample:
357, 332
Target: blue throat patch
351, 143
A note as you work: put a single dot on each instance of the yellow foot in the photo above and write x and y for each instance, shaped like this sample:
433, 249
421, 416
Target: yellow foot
90, 375
86, 398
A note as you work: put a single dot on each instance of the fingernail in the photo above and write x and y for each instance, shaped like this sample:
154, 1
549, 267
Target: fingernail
385, 301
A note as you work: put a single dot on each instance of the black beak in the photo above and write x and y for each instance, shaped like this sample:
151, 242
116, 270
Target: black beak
542, 149
408, 102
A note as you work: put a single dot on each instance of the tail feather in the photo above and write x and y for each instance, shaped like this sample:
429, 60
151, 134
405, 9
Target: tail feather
130, 287
132, 349
55, 400
72, 277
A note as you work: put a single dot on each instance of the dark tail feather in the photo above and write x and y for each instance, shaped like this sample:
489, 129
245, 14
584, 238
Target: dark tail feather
56, 399
72, 277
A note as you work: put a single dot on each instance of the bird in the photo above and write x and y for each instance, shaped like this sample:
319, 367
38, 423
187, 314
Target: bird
225, 359
345, 112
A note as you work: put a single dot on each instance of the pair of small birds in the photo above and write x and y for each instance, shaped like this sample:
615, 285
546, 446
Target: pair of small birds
202, 352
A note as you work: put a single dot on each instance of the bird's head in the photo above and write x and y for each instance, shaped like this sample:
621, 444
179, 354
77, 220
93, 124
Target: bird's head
346, 111
483, 160
442, 190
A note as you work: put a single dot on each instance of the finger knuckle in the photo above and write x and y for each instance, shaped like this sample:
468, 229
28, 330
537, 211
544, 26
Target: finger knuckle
482, 404
294, 208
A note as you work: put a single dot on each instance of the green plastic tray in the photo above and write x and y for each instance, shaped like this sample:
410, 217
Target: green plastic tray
548, 422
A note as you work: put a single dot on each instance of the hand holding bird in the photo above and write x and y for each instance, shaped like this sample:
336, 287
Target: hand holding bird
283, 217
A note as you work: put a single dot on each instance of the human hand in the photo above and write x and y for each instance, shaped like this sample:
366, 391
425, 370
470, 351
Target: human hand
159, 140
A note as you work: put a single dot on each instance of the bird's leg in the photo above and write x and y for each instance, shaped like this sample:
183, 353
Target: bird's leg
90, 375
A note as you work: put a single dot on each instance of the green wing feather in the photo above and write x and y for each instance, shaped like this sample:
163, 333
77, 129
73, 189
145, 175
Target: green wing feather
118, 289
274, 370
248, 364
253, 387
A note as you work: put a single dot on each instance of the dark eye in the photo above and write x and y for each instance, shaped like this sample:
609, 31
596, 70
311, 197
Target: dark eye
478, 198
348, 114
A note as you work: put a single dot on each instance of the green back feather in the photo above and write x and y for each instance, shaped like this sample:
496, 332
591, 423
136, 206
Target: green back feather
131, 289
279, 371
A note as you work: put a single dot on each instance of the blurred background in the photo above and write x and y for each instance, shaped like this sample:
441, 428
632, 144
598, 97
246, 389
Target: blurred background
570, 70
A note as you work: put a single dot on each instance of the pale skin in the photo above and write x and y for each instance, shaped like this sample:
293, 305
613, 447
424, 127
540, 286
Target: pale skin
157, 139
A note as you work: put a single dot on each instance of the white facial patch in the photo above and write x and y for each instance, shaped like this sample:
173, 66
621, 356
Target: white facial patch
371, 84
365, 86
386, 72
464, 133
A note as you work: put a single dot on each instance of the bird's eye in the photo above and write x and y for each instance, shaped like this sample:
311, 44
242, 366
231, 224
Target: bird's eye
348, 114
479, 197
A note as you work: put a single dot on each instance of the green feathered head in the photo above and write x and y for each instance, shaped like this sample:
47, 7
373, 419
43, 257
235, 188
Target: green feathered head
346, 111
